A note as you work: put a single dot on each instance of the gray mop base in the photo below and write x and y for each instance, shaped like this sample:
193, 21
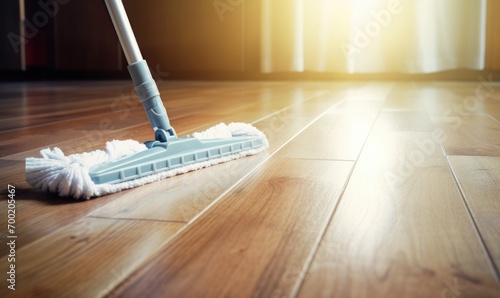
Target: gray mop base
163, 157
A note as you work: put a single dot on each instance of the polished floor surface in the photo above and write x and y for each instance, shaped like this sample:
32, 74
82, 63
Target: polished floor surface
368, 189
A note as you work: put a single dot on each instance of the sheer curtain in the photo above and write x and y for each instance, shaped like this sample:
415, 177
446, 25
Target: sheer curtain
372, 36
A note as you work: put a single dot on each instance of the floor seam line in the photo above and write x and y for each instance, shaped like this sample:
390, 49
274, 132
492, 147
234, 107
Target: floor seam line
296, 289
136, 219
489, 256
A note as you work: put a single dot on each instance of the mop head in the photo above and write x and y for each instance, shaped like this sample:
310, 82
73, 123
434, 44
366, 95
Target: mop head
68, 176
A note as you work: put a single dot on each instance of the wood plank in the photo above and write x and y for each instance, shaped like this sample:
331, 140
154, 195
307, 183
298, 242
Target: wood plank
342, 135
85, 259
440, 99
471, 135
492, 108
467, 99
32, 106
400, 224
408, 120
479, 180
180, 198
342, 131
37, 213
374, 91
93, 131
258, 237
405, 96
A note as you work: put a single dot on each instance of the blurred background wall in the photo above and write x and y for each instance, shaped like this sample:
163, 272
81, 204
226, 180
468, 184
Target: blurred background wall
186, 38
10, 58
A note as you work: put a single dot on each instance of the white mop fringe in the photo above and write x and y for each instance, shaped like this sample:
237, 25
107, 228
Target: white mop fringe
68, 176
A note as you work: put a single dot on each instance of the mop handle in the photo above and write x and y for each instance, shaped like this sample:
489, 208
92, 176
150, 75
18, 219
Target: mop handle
124, 31
145, 86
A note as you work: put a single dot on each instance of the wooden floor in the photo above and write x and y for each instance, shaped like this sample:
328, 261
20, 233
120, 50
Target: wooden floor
368, 189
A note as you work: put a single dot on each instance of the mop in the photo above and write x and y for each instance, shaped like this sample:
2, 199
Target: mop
127, 164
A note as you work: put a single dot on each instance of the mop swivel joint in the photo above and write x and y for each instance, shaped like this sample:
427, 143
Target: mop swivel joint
165, 136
